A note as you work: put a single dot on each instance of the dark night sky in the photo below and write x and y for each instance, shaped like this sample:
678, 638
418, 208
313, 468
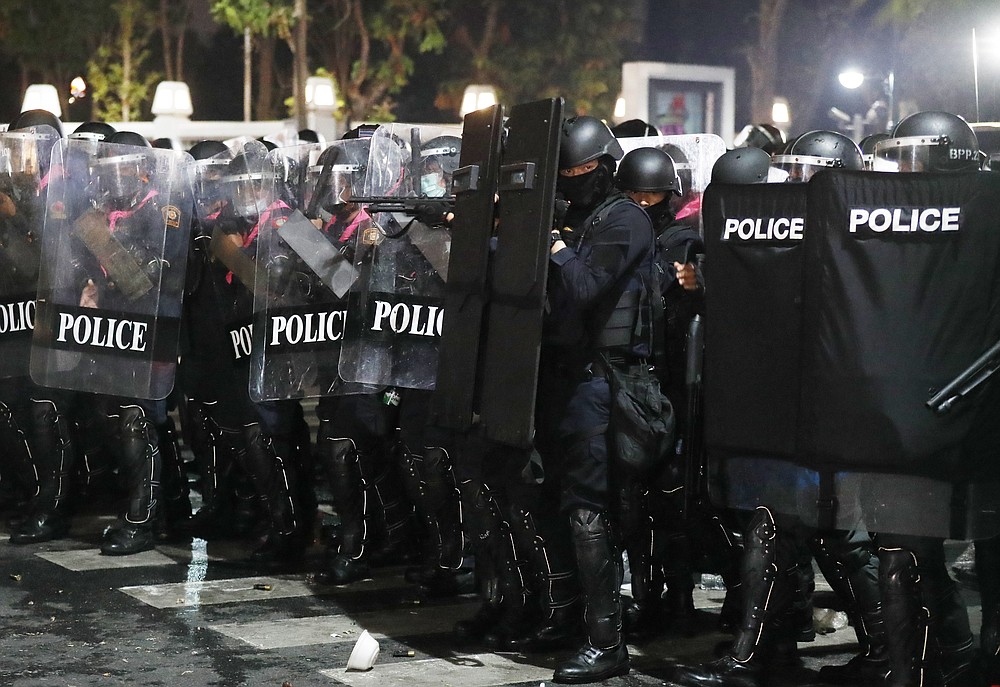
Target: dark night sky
687, 31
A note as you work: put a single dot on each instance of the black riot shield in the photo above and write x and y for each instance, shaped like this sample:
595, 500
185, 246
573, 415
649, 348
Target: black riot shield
24, 161
526, 185
114, 252
397, 307
474, 185
900, 296
300, 310
754, 242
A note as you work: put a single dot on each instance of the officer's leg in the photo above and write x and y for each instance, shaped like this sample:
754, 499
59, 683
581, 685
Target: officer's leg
767, 573
214, 465
927, 626
19, 476
849, 563
642, 615
267, 470
140, 463
586, 500
282, 422
341, 459
175, 506
52, 456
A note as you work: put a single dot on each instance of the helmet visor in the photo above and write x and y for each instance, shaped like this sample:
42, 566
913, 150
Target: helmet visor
800, 168
909, 154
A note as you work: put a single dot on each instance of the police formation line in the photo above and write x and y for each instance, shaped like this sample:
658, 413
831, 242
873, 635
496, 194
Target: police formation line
509, 371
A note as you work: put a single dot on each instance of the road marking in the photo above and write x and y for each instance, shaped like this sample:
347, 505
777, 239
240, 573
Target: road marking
473, 670
92, 559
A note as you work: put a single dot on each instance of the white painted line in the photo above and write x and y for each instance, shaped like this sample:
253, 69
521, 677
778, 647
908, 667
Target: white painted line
92, 559
198, 593
415, 620
475, 670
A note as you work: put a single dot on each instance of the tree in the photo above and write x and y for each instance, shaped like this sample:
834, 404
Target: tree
35, 35
762, 56
367, 46
531, 50
116, 74
173, 19
254, 18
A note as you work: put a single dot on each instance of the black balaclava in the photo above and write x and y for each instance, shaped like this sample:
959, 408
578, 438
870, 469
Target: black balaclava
585, 191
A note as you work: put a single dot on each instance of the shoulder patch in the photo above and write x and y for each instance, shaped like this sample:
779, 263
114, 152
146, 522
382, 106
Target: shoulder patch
57, 210
279, 222
171, 216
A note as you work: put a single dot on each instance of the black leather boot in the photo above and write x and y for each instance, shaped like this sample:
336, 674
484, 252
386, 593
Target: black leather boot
282, 545
559, 624
140, 454
519, 603
906, 620
175, 506
52, 454
766, 594
605, 654
214, 459
341, 460
849, 563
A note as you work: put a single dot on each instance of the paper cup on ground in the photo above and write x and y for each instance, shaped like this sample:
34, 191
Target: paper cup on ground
364, 653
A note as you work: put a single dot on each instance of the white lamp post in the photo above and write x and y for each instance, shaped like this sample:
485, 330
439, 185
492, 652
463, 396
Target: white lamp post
476, 97
42, 96
172, 99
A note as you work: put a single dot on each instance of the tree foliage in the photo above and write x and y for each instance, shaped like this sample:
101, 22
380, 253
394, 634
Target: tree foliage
119, 79
369, 47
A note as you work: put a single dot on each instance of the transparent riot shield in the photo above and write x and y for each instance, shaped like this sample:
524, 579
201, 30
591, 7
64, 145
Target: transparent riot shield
114, 251
694, 155
397, 309
300, 309
292, 165
233, 190
24, 161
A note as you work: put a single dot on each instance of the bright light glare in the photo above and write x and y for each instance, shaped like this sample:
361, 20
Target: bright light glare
780, 113
476, 97
851, 79
42, 96
619, 108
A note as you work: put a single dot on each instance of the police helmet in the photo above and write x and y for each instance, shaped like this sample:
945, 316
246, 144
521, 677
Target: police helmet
94, 131
585, 138
338, 174
633, 128
249, 181
930, 141
767, 137
742, 166
202, 150
868, 144
816, 150
122, 176
647, 169
129, 138
681, 165
32, 118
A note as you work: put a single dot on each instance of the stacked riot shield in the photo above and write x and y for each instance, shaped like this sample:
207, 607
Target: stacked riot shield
24, 163
226, 190
754, 241
300, 310
526, 186
475, 186
397, 306
824, 350
694, 155
900, 295
114, 252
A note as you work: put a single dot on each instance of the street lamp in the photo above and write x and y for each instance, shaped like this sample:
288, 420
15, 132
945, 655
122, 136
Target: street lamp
42, 96
172, 99
476, 97
853, 79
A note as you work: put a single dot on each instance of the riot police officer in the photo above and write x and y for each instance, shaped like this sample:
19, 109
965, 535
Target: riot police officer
597, 264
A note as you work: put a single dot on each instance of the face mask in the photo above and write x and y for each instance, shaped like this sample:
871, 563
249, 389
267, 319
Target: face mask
660, 214
432, 185
585, 190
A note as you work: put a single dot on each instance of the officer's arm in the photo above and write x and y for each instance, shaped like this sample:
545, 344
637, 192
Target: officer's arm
607, 251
